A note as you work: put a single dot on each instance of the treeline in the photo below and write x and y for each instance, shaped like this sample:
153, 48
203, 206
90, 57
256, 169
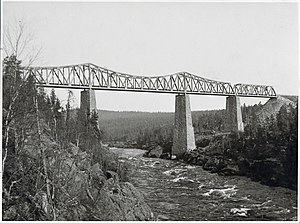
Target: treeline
143, 129
206, 122
132, 126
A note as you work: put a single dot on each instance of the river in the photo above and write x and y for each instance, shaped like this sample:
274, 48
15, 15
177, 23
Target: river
179, 191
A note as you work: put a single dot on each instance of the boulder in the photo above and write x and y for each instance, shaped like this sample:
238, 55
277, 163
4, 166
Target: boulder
83, 161
211, 164
214, 163
162, 217
200, 160
191, 156
155, 152
230, 170
244, 165
203, 142
107, 159
136, 207
113, 175
98, 178
165, 156
193, 160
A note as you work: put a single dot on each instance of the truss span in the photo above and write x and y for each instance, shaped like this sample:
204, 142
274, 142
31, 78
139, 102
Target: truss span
88, 75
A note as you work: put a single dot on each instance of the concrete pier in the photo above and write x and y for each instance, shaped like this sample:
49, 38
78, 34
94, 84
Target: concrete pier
183, 136
88, 101
234, 122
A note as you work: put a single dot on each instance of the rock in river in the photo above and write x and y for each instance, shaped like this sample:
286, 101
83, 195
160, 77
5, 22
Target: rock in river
154, 152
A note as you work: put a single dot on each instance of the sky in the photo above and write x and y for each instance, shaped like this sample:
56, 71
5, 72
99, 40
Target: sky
235, 42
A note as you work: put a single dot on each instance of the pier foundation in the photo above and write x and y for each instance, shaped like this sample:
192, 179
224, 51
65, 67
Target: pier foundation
183, 135
88, 102
234, 120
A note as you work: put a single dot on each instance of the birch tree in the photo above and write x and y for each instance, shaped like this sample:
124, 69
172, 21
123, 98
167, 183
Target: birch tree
19, 47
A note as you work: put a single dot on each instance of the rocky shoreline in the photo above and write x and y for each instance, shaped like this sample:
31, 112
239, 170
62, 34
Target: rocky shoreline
217, 156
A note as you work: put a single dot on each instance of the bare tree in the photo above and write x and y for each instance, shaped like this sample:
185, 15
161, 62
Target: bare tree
18, 40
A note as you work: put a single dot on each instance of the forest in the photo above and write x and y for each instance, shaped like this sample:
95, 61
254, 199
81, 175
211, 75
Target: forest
143, 129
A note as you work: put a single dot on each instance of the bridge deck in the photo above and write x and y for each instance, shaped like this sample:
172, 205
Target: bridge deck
86, 76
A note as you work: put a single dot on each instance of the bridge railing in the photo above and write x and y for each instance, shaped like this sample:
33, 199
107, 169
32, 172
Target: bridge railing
95, 77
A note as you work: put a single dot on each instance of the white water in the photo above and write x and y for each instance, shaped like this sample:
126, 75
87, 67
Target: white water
178, 191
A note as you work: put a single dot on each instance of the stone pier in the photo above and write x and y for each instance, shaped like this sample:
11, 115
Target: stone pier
234, 114
88, 101
183, 136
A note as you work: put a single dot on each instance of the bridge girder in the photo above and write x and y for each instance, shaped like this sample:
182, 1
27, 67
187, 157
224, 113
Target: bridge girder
88, 75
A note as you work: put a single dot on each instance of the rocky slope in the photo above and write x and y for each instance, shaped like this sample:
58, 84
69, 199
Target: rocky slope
272, 106
83, 187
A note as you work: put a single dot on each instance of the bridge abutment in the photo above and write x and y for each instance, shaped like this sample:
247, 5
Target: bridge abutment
88, 102
234, 114
183, 135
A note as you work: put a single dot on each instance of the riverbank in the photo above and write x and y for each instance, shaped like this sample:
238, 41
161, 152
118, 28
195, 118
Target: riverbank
270, 164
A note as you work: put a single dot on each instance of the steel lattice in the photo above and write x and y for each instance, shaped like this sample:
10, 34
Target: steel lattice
88, 75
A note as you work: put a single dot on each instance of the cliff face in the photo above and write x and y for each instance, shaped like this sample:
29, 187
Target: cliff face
94, 194
84, 185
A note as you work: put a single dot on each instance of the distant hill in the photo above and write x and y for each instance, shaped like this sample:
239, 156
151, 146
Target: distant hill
119, 125
127, 124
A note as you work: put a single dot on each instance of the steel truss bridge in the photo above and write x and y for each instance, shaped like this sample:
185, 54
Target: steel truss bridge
90, 76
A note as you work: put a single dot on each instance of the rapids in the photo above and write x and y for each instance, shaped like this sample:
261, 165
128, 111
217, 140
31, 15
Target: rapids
178, 191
